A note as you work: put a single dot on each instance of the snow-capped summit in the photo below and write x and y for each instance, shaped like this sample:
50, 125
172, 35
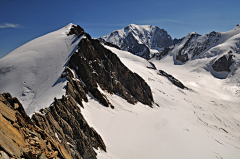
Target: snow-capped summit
141, 40
32, 72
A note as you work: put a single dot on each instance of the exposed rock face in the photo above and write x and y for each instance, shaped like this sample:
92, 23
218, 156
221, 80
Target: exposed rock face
64, 122
174, 81
182, 55
163, 53
98, 67
175, 41
223, 63
190, 46
212, 38
76, 30
131, 44
60, 131
91, 69
194, 45
20, 138
139, 39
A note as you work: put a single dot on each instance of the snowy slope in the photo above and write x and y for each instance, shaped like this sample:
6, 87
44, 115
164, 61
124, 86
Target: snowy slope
141, 40
202, 122
32, 72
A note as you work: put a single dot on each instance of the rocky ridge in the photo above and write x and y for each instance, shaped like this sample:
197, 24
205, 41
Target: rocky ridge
21, 138
91, 70
97, 68
191, 46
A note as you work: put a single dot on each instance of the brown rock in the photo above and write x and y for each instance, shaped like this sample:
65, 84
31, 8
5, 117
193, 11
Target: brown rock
19, 137
53, 155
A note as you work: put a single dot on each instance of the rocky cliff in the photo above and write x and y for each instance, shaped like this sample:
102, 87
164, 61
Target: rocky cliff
97, 68
64, 122
91, 69
60, 130
21, 138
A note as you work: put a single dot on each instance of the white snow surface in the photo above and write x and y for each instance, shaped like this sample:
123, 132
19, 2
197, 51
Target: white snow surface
32, 72
202, 122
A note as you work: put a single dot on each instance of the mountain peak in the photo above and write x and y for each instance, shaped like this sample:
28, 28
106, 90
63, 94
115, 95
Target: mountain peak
141, 40
237, 26
69, 25
148, 28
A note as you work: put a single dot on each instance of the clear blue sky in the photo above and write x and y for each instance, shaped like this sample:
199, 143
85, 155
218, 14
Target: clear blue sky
24, 20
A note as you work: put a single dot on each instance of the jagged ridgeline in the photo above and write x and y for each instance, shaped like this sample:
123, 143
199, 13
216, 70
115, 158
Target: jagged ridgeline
21, 138
91, 68
60, 130
97, 67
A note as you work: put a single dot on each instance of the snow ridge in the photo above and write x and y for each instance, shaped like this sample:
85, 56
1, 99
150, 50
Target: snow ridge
32, 72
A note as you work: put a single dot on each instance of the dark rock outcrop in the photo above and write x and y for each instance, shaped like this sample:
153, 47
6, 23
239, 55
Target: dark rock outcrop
131, 44
175, 40
97, 67
192, 47
163, 53
91, 69
60, 130
172, 79
64, 122
183, 53
212, 38
152, 66
77, 30
21, 138
223, 63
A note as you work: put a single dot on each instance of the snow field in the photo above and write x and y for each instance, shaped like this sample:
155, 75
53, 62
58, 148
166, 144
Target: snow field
32, 72
199, 123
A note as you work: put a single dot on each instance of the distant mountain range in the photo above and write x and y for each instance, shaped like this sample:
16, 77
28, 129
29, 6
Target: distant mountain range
91, 98
220, 48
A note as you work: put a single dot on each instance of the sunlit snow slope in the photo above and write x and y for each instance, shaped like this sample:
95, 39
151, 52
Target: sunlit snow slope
32, 72
200, 122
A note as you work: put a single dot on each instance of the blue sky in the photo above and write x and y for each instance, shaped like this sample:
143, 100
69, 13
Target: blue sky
24, 20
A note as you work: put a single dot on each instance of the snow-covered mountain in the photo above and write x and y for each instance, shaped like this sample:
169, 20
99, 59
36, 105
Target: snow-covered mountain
170, 106
217, 52
32, 69
53, 76
141, 40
